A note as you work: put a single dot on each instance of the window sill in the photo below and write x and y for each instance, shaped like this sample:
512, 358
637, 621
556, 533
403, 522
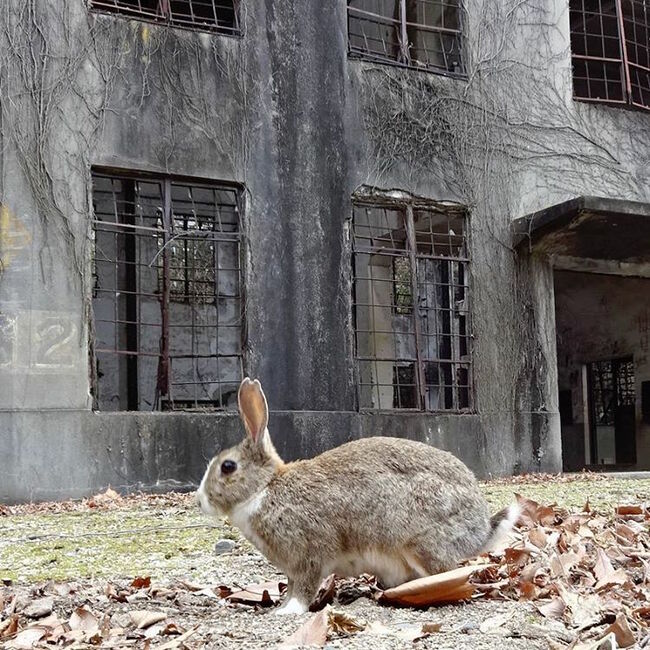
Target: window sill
368, 58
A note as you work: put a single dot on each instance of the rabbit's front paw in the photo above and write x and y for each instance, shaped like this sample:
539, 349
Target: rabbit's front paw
292, 606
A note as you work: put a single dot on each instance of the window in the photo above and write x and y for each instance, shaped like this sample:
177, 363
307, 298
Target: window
167, 299
611, 400
414, 33
210, 15
411, 306
610, 44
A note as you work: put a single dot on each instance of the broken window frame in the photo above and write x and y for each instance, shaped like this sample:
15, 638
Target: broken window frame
407, 206
625, 88
163, 229
404, 27
165, 14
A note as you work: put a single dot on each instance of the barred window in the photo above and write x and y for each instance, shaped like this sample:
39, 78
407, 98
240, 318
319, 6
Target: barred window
167, 299
411, 306
610, 45
219, 16
414, 33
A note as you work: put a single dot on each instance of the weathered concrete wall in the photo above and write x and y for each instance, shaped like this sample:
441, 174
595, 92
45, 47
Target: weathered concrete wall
285, 112
602, 317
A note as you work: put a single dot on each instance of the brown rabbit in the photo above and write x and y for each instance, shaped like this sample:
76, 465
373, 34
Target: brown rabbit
395, 508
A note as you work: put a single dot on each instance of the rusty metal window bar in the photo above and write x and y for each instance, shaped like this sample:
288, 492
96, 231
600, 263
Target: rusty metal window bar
167, 302
610, 45
424, 34
220, 16
412, 345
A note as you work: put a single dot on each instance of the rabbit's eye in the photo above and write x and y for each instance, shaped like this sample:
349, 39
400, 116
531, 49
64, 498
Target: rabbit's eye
228, 466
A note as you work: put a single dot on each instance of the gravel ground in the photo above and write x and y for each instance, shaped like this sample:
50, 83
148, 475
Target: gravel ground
92, 543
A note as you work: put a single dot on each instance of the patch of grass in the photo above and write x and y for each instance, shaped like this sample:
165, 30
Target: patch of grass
166, 541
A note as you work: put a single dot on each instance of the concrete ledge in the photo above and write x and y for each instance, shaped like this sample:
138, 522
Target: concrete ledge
71, 454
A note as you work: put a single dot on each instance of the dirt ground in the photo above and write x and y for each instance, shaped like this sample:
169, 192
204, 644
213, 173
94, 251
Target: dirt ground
81, 574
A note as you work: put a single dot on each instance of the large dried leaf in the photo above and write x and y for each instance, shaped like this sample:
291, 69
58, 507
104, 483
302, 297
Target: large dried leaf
28, 637
325, 594
265, 594
83, 619
312, 633
143, 618
621, 630
447, 587
9, 626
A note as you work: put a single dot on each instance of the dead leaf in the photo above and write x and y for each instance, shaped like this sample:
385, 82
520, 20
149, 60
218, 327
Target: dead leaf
143, 618
343, 624
325, 594
492, 624
264, 594
538, 537
83, 619
447, 587
553, 608
312, 632
621, 630
141, 583
9, 626
629, 510
39, 608
178, 641
106, 497
605, 573
405, 631
25, 639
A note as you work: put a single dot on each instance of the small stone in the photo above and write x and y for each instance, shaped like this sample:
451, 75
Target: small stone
224, 546
39, 608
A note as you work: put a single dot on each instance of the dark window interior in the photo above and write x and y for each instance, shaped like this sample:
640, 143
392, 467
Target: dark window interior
219, 16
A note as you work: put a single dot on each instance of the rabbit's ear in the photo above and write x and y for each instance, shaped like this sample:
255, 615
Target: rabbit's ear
253, 408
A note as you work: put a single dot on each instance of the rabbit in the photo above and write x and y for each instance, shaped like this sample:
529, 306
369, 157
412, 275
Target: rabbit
395, 508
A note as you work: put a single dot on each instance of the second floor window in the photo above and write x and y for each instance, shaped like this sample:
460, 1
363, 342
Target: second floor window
219, 16
610, 45
167, 293
411, 306
423, 34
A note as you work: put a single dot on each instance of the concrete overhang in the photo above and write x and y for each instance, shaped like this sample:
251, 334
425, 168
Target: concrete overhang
588, 227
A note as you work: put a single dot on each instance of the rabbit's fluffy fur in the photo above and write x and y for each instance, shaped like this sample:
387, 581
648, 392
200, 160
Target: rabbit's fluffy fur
395, 508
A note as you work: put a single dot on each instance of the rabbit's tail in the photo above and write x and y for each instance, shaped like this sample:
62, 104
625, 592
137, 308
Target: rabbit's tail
501, 524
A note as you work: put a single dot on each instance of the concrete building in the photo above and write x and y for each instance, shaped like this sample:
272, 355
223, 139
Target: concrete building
406, 217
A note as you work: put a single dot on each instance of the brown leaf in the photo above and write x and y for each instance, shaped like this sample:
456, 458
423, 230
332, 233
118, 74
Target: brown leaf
25, 639
404, 631
264, 594
642, 615
141, 583
447, 587
39, 608
554, 608
113, 594
538, 537
106, 497
83, 619
629, 510
178, 641
313, 632
325, 594
605, 573
621, 630
143, 618
341, 623
9, 626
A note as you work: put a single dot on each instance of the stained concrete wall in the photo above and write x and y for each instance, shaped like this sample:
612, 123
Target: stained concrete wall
287, 114
601, 317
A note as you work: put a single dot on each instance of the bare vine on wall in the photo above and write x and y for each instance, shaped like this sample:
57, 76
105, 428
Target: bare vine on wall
509, 130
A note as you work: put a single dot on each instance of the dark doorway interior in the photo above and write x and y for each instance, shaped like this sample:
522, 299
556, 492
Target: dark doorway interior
611, 409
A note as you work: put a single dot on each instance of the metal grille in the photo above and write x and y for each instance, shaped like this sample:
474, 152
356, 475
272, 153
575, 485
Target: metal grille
607, 67
612, 385
414, 33
167, 300
219, 16
411, 307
